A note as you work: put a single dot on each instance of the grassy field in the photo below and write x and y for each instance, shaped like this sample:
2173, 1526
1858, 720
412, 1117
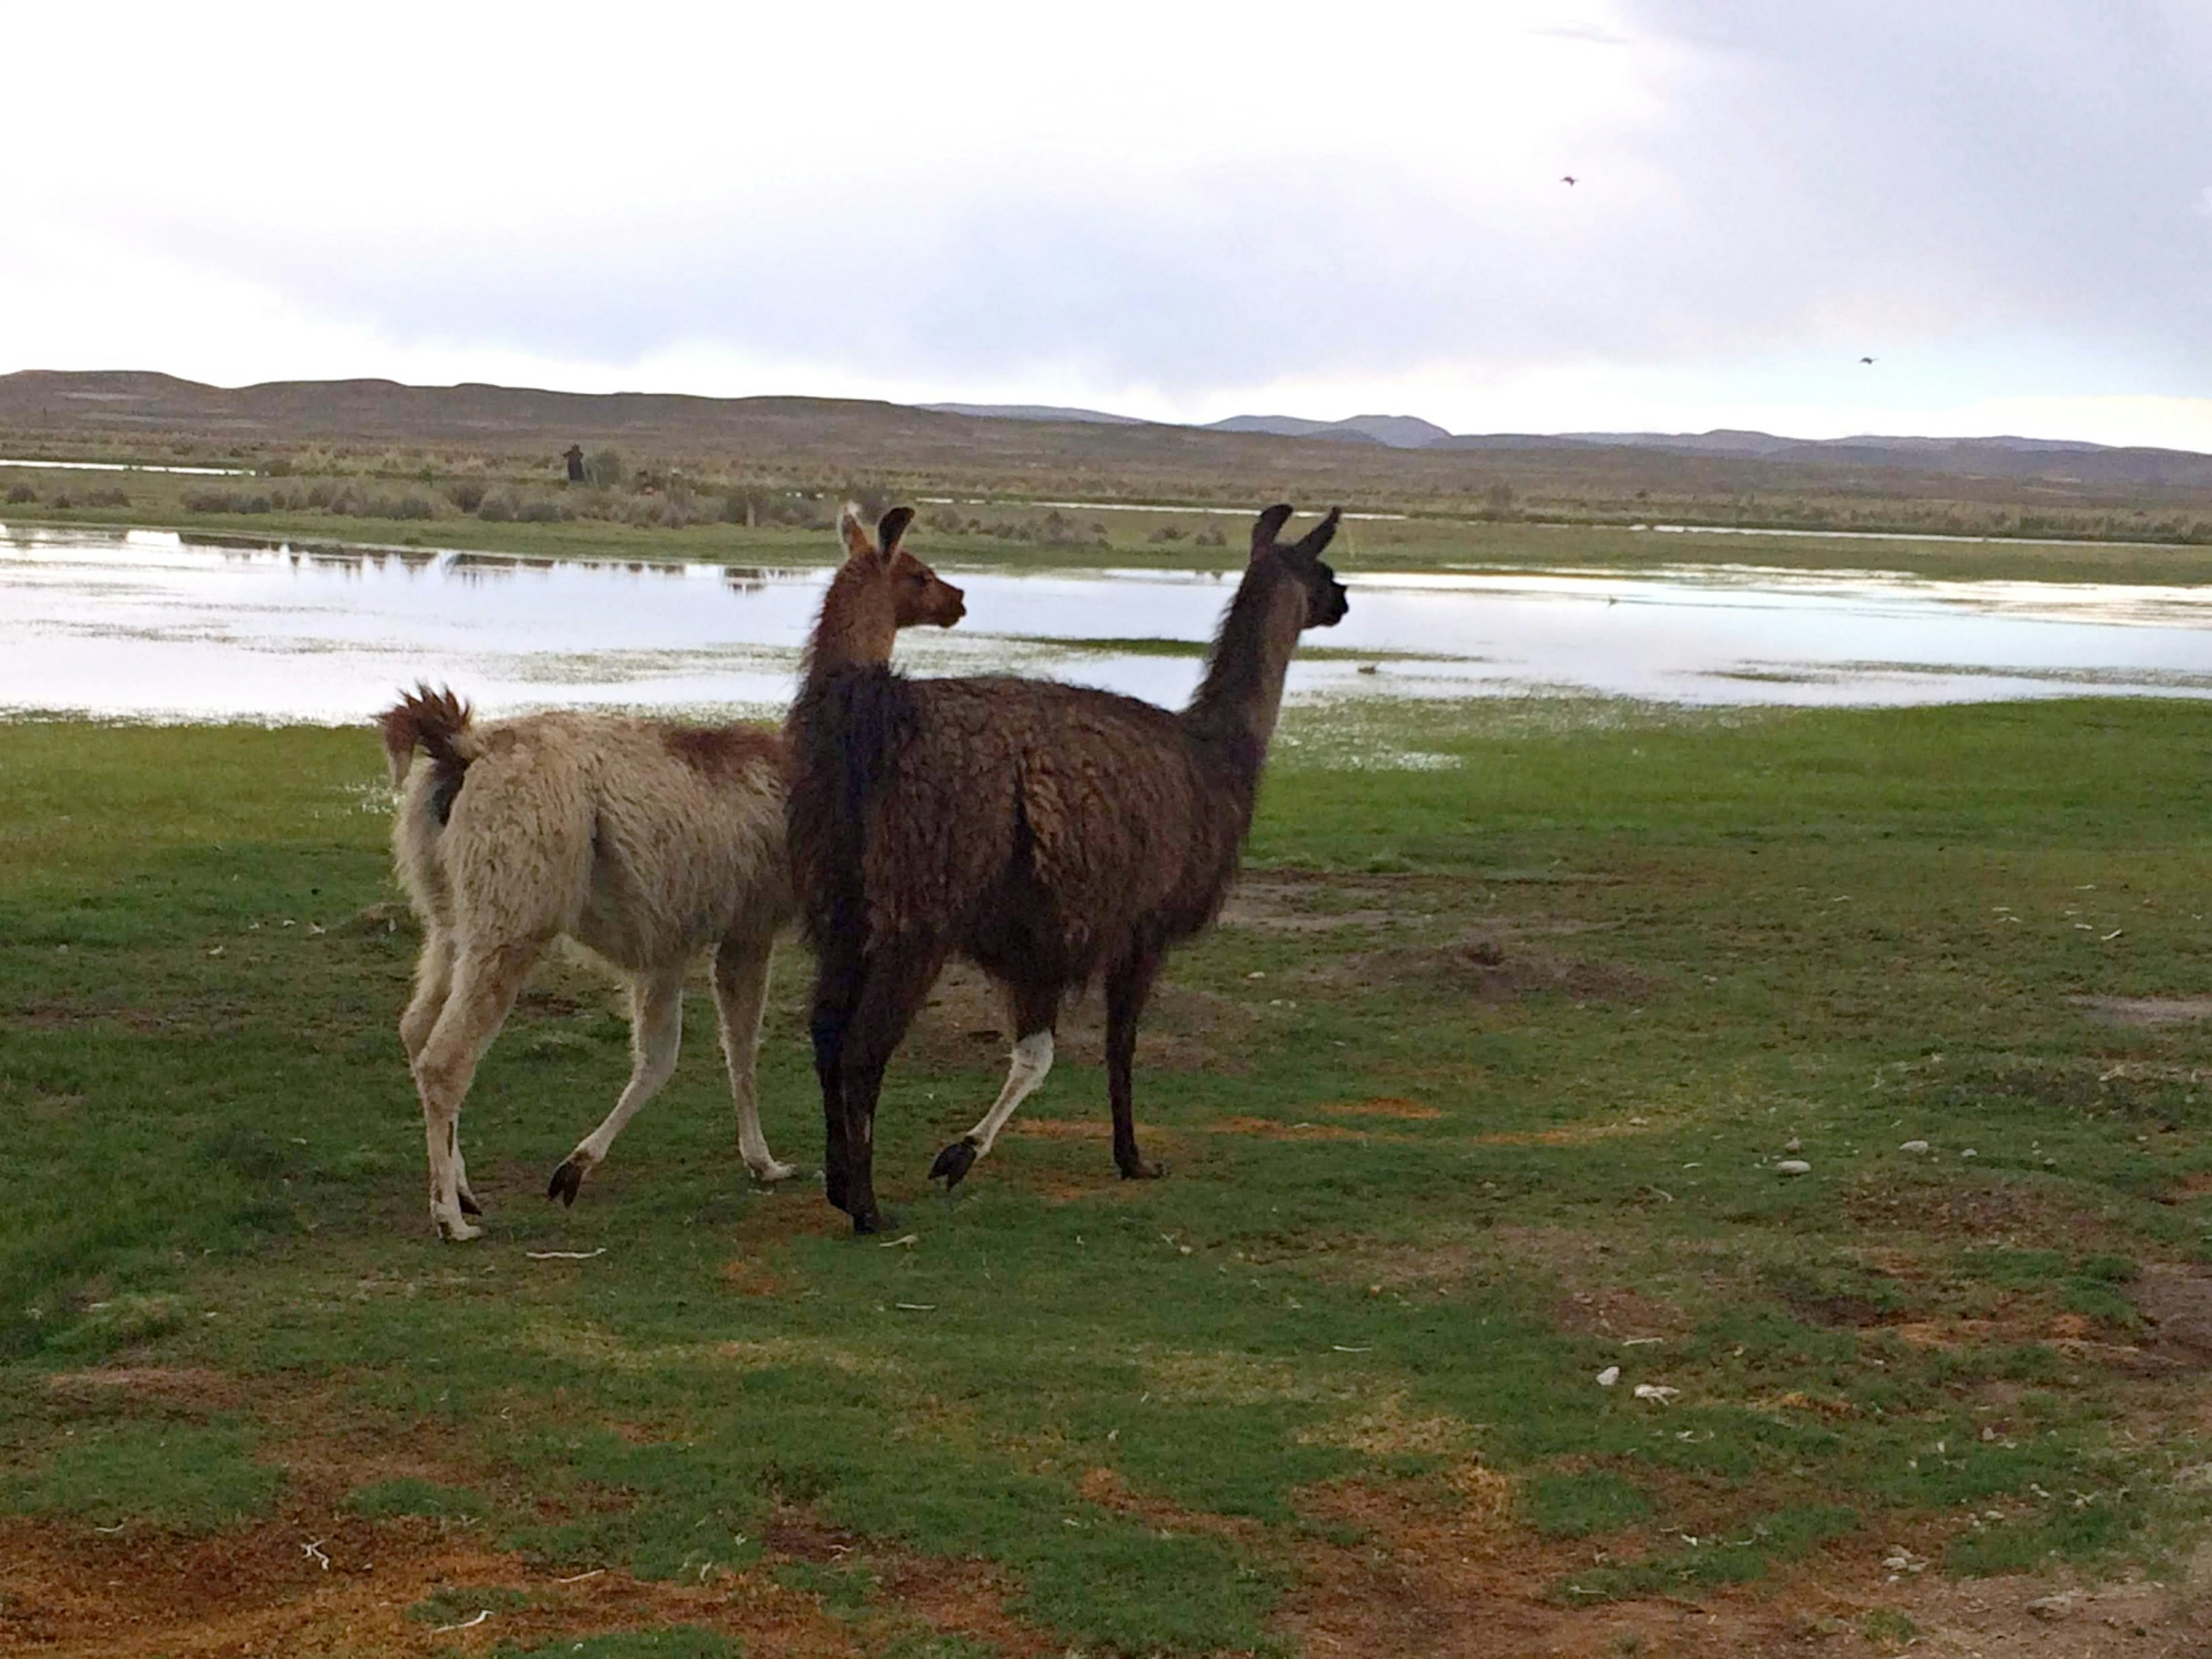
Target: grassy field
1481, 1091
1018, 533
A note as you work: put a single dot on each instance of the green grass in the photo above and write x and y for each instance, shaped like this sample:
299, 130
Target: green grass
1487, 1075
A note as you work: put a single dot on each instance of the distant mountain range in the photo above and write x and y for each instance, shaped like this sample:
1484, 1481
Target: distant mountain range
1992, 457
39, 406
1035, 412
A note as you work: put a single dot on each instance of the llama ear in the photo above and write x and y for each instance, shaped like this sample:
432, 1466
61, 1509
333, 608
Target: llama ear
1321, 535
1268, 526
857, 544
890, 527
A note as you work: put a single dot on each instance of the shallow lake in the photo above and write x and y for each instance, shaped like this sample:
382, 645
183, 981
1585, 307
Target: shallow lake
153, 624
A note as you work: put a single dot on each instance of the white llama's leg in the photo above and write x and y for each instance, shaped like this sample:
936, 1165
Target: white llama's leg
484, 987
741, 967
656, 1031
434, 980
434, 983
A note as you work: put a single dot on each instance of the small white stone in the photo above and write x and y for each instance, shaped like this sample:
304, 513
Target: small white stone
1609, 1376
1792, 1166
1970, 1152
1659, 1393
1792, 1144
1914, 1146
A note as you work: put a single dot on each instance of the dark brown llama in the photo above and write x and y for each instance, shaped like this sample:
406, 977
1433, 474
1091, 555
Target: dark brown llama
1051, 834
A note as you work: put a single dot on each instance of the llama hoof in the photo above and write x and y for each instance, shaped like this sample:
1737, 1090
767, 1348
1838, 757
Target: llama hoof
872, 1221
769, 1173
953, 1162
453, 1230
469, 1204
1138, 1169
566, 1180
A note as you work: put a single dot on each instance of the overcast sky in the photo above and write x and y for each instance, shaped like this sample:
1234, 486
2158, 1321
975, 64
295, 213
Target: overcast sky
1183, 209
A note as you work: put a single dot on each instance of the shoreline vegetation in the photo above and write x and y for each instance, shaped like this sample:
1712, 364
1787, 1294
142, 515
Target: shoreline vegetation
1018, 534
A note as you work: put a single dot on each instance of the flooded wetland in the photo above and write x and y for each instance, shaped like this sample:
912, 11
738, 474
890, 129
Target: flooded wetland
154, 624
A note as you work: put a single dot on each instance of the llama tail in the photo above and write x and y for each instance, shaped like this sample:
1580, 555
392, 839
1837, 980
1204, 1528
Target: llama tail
437, 723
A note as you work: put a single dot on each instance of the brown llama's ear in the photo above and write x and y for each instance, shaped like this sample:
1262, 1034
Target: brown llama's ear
892, 526
1316, 539
1268, 526
857, 544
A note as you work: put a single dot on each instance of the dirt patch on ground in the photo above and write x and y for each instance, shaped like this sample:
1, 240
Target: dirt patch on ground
795, 1210
1264, 1128
1442, 1569
1488, 968
965, 1023
179, 1388
1108, 1490
2146, 1011
1569, 1134
1293, 901
319, 1582
2177, 1301
1617, 1314
750, 1276
1390, 1106
2002, 1211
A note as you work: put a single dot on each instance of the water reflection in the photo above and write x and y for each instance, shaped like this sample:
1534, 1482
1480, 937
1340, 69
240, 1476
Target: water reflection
141, 622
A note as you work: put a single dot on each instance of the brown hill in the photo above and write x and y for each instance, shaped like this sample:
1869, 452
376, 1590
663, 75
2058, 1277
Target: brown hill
821, 442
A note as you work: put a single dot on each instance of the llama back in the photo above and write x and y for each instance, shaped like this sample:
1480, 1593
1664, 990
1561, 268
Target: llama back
1090, 801
636, 838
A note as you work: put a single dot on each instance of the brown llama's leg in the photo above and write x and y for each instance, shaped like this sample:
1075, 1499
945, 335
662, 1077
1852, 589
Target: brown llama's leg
741, 994
1127, 989
838, 978
656, 1033
484, 987
1035, 1008
897, 980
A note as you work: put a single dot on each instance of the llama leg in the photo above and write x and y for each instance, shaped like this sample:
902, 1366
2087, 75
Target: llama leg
656, 1031
899, 976
483, 989
1033, 1009
837, 979
434, 983
1127, 989
434, 980
740, 994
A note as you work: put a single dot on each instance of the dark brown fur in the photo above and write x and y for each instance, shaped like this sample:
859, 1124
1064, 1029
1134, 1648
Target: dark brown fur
1052, 833
722, 752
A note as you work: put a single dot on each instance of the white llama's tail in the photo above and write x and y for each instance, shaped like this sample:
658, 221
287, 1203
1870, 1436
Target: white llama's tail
437, 723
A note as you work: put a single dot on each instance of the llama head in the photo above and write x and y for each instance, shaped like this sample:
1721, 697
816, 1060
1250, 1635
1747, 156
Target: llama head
1301, 561
918, 594
880, 588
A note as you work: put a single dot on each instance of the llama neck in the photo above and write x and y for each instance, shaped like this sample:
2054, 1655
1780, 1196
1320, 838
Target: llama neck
1234, 706
856, 626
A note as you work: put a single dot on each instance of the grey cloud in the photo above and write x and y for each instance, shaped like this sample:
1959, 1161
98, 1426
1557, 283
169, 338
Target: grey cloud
2027, 171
